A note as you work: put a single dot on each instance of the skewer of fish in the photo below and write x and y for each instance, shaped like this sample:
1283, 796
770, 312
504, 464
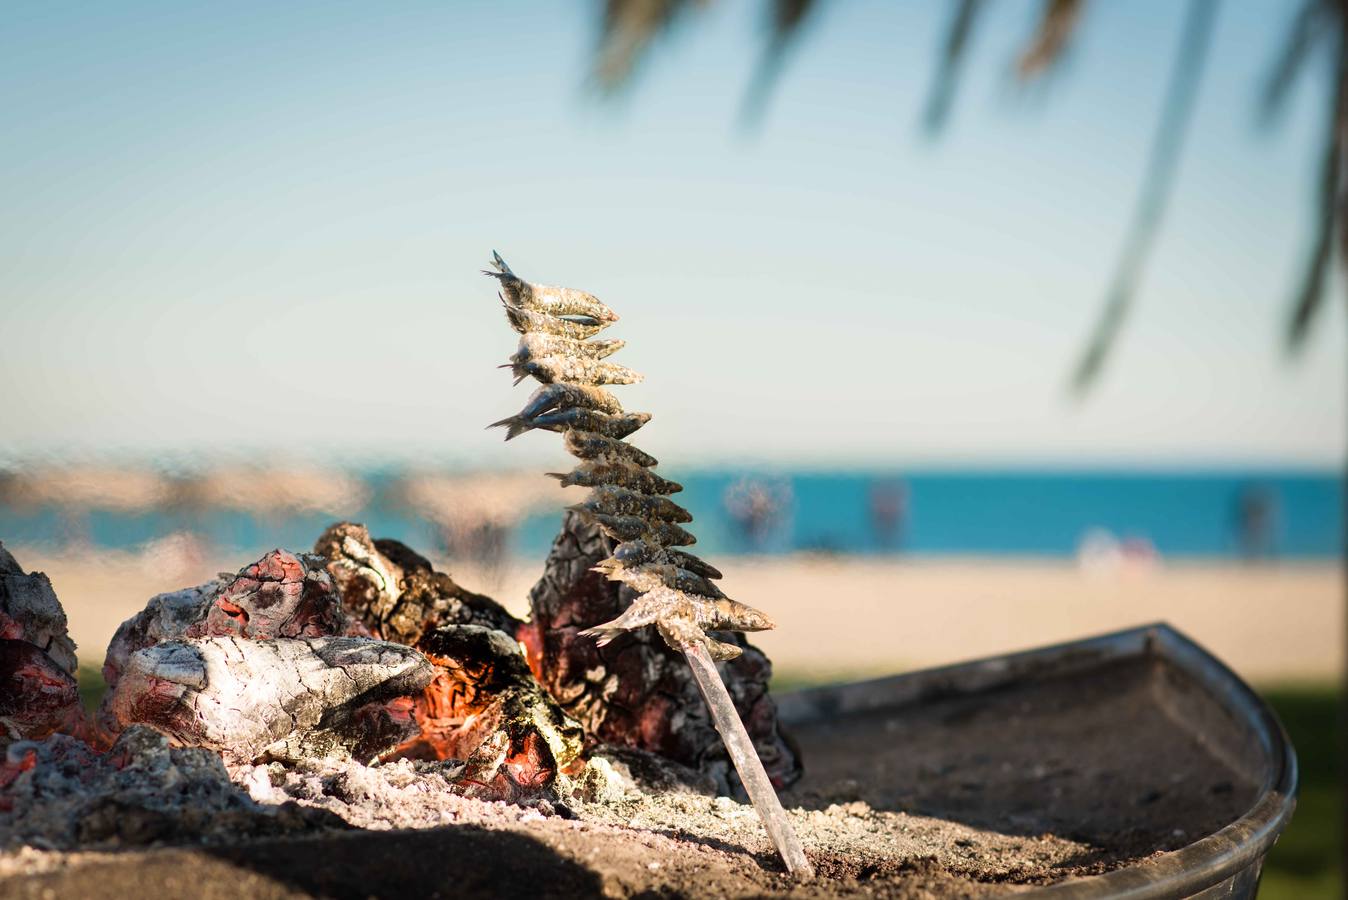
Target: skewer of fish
631, 504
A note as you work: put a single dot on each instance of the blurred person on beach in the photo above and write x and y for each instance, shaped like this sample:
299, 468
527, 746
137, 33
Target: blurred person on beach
1256, 522
756, 508
888, 507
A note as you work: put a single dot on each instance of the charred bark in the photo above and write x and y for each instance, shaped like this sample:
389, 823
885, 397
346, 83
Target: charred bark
396, 593
38, 690
282, 595
636, 691
272, 698
262, 663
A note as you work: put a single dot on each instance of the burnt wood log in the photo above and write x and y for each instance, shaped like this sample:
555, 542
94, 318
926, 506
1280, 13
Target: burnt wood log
282, 595
250, 699
29, 611
37, 697
38, 690
396, 593
636, 691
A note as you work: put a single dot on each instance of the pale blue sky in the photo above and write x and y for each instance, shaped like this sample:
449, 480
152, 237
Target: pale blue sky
258, 227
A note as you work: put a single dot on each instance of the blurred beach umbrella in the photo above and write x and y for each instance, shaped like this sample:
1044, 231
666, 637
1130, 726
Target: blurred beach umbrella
262, 488
629, 28
273, 490
475, 512
84, 487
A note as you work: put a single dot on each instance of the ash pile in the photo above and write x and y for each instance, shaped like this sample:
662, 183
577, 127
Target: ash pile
354, 686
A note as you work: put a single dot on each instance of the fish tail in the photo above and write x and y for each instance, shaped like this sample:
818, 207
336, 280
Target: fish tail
514, 426
603, 634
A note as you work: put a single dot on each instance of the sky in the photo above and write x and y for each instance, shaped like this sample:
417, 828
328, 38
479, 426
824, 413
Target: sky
252, 228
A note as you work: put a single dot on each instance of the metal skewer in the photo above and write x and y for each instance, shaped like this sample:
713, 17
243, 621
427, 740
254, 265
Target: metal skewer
747, 763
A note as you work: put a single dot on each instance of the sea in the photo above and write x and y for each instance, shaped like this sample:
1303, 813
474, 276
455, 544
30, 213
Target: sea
1219, 514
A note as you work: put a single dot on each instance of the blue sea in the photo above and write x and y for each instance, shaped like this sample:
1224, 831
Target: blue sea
1218, 514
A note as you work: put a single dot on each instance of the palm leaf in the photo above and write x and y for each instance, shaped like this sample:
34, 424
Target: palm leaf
786, 19
1162, 163
1314, 281
1048, 44
951, 64
626, 31
1313, 22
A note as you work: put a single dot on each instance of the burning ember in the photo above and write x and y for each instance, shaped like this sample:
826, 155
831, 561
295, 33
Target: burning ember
483, 704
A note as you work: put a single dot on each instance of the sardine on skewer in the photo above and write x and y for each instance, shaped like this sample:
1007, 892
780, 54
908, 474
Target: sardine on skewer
630, 504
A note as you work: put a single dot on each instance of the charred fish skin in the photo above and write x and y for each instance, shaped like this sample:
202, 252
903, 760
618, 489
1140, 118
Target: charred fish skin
617, 427
549, 369
590, 445
547, 299
549, 397
621, 473
693, 564
631, 528
631, 554
653, 575
628, 501
536, 344
616, 500
526, 321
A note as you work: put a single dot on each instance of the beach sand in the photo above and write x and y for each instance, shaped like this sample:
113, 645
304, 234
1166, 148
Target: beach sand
847, 617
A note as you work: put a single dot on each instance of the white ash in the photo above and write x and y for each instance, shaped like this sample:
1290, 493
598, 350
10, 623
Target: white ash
643, 797
400, 794
141, 791
424, 794
163, 795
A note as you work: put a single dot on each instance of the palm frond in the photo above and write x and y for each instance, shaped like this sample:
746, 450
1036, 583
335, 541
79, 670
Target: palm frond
1312, 23
1162, 163
627, 29
1047, 46
951, 64
1310, 296
786, 19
